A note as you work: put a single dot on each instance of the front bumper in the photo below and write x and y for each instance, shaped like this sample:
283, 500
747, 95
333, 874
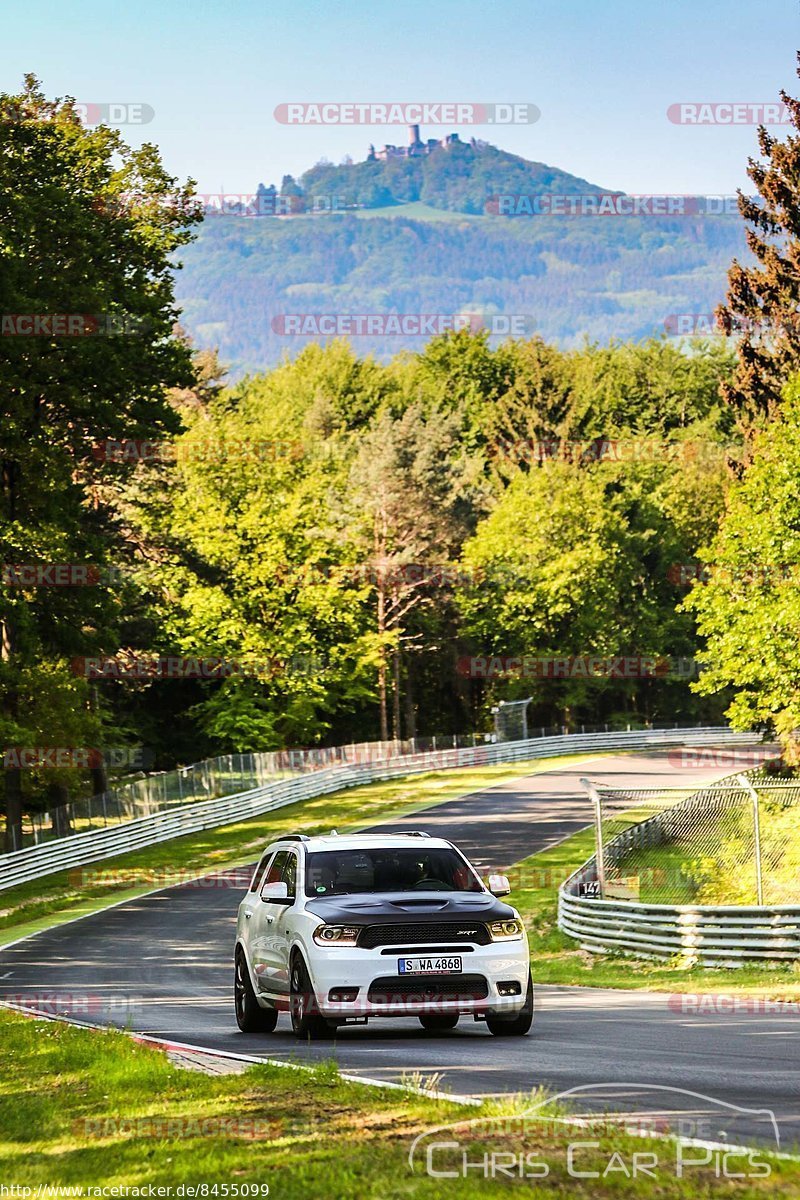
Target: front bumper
382, 992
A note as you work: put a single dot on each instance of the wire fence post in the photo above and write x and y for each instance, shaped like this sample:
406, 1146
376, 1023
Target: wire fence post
753, 794
597, 804
511, 720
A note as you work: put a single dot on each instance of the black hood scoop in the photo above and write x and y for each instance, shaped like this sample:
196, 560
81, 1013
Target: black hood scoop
371, 909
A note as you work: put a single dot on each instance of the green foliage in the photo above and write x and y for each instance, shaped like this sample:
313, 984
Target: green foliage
749, 609
576, 561
307, 523
87, 226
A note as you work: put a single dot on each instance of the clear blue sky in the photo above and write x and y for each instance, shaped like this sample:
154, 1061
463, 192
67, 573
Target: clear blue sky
602, 73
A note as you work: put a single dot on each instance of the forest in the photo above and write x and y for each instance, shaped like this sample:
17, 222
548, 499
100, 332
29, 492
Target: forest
345, 546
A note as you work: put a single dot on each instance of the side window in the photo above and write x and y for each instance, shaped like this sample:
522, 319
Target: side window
275, 874
289, 876
258, 877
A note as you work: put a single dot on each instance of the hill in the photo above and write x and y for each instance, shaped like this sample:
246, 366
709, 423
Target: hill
417, 235
458, 177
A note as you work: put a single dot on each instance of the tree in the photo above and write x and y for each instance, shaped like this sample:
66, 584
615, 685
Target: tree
573, 562
87, 232
410, 518
652, 387
532, 407
253, 560
748, 610
763, 299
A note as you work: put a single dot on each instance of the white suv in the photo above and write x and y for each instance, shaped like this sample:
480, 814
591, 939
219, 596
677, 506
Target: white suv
340, 929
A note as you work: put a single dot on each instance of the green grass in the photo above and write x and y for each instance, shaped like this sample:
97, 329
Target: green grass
661, 877
714, 863
558, 959
33, 906
86, 1109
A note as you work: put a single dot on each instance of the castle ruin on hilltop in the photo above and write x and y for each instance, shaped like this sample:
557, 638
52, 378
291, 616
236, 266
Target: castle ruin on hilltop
416, 148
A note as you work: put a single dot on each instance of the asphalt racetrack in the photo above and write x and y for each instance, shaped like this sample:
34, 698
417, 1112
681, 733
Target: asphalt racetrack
162, 965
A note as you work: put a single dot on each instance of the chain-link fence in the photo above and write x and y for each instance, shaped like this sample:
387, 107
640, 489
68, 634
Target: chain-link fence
735, 842
231, 773
207, 780
513, 723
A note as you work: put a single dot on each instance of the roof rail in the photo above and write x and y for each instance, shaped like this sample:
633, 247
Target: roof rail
293, 837
377, 833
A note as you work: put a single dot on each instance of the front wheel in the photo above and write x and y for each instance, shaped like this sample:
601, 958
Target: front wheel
439, 1021
515, 1024
306, 1020
250, 1016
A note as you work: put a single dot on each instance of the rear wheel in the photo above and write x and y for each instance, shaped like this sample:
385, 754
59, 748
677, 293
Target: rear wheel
439, 1021
250, 1016
306, 1020
515, 1024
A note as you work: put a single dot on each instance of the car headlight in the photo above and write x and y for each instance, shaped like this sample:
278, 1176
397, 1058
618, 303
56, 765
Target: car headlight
337, 935
506, 931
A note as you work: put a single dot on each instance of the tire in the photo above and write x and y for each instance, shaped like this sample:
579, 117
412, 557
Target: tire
306, 1020
250, 1016
515, 1024
436, 1022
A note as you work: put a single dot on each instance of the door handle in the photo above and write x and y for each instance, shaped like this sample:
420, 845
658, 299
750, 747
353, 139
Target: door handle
270, 920
247, 916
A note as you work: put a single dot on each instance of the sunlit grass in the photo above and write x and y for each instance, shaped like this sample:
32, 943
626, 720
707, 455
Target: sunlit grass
80, 1108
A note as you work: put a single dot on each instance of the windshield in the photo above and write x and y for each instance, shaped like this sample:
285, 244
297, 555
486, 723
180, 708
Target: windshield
341, 872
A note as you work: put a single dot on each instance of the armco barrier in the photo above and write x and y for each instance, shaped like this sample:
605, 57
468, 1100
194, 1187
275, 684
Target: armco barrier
21, 866
710, 935
719, 935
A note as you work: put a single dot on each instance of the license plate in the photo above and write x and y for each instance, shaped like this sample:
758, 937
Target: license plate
429, 966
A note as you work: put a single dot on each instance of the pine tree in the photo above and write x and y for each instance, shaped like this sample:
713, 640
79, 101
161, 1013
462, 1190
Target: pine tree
763, 299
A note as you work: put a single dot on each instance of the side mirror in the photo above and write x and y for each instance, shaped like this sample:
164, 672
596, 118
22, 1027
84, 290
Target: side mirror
275, 893
499, 885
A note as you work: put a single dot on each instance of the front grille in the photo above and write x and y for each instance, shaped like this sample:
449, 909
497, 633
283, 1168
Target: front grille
394, 989
419, 934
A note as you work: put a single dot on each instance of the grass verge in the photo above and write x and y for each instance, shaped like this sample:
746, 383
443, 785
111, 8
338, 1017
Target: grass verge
96, 1110
557, 959
67, 894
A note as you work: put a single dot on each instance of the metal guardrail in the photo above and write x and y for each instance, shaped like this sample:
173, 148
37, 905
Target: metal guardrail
710, 935
81, 849
226, 775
